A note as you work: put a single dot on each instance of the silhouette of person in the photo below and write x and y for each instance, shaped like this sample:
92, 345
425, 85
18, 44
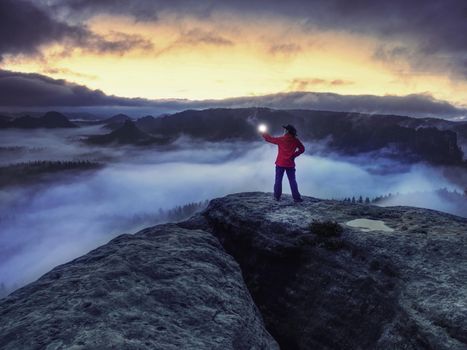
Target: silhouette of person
289, 148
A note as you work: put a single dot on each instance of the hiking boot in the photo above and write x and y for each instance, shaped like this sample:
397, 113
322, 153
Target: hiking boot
298, 200
277, 199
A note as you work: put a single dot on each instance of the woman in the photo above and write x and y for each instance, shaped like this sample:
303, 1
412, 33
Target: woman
289, 148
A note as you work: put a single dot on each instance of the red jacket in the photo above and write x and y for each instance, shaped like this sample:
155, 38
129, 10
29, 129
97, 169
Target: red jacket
288, 151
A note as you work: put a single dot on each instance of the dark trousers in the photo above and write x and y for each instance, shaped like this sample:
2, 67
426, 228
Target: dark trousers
293, 183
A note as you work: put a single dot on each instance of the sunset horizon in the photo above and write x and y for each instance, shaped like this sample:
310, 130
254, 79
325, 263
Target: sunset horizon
213, 51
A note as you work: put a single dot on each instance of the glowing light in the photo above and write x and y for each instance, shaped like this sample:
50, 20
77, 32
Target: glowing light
262, 128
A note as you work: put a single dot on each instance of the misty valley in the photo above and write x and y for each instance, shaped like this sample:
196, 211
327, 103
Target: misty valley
70, 184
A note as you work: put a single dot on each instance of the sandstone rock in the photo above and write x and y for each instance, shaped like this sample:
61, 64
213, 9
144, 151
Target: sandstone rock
393, 278
163, 288
366, 289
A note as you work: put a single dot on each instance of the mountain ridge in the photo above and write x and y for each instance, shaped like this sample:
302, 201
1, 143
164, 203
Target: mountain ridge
349, 133
126, 133
49, 120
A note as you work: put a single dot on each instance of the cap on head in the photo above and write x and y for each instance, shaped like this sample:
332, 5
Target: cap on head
291, 129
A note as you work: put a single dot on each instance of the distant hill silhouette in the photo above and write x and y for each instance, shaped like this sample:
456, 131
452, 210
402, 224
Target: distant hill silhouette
431, 140
115, 122
127, 134
118, 118
413, 139
49, 120
56, 120
145, 123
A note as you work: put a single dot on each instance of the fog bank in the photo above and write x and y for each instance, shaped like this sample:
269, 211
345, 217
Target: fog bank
43, 226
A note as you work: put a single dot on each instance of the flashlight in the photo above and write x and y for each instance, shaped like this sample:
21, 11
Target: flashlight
262, 128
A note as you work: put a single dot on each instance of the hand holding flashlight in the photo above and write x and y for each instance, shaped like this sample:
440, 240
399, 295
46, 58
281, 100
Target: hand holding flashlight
262, 128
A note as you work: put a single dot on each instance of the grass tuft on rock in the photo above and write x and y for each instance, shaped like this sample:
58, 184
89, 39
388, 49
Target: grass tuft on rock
326, 228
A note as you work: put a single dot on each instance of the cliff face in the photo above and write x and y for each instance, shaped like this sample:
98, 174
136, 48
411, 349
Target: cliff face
162, 288
395, 280
364, 289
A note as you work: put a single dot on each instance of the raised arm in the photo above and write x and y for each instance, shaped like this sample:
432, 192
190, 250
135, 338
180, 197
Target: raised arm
271, 139
300, 149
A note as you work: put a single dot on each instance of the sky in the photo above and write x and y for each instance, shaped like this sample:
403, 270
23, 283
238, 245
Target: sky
405, 57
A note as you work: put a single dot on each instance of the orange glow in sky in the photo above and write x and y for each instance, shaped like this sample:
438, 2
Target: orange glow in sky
225, 57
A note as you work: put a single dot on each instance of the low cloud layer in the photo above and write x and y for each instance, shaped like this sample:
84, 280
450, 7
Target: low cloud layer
43, 226
35, 90
412, 105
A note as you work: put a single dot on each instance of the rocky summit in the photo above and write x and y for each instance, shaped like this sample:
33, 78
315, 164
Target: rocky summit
163, 288
252, 273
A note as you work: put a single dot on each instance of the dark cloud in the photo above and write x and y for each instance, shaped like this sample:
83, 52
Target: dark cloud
391, 54
428, 28
115, 42
307, 84
199, 36
25, 27
29, 89
35, 90
141, 10
429, 34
